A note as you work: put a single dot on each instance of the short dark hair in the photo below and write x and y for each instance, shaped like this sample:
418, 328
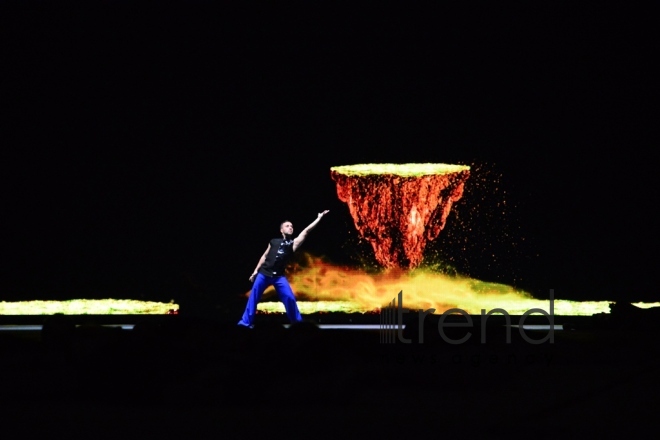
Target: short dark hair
285, 221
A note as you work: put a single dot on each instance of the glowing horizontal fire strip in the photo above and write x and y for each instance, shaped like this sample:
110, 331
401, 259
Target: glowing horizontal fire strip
308, 307
403, 170
32, 328
87, 307
561, 307
324, 287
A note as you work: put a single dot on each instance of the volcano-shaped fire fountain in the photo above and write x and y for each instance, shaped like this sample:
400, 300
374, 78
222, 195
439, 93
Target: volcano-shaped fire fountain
398, 208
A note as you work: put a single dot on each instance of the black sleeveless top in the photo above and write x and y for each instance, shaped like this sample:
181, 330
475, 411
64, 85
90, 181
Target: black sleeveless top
278, 256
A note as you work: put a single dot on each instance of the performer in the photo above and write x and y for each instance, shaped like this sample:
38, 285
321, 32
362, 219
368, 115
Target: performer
270, 271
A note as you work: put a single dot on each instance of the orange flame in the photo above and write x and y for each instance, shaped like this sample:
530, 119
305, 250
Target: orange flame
317, 280
398, 208
317, 283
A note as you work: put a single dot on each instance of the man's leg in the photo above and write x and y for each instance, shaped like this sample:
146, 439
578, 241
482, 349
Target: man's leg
285, 293
258, 286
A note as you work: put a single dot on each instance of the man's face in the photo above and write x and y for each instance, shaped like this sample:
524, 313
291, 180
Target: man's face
287, 228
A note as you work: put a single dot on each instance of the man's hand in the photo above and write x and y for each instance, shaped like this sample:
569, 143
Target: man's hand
252, 277
300, 238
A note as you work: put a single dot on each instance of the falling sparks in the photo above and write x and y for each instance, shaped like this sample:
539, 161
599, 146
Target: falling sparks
397, 220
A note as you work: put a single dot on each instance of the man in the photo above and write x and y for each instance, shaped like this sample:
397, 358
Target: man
270, 271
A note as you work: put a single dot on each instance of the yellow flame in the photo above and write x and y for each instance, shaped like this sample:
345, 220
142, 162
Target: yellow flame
86, 307
321, 286
399, 169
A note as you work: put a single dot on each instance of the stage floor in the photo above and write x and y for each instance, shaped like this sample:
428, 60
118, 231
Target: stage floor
193, 377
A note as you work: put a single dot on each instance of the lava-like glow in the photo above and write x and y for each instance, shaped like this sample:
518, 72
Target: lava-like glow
87, 307
308, 307
401, 170
646, 305
399, 208
562, 307
323, 287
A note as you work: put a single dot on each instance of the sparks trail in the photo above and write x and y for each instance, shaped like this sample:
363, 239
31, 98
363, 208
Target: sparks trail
399, 208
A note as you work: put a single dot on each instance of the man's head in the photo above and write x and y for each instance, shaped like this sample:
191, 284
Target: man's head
286, 228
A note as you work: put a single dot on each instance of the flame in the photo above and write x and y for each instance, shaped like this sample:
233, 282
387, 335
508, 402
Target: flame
88, 307
318, 284
398, 208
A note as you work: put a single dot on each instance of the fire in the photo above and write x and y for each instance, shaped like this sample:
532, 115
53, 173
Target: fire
320, 284
88, 307
398, 208
422, 288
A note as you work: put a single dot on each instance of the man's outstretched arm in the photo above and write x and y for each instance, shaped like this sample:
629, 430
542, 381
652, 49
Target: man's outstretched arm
301, 237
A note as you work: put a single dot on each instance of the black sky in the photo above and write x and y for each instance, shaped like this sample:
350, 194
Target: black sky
149, 146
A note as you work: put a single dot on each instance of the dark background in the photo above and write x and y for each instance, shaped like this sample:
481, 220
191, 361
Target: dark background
151, 149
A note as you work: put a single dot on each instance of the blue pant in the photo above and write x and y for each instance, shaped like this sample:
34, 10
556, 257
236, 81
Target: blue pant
283, 290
